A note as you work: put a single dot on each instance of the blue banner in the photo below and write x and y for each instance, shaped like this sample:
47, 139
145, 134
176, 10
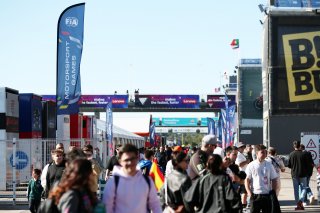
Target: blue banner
152, 133
109, 129
211, 126
70, 45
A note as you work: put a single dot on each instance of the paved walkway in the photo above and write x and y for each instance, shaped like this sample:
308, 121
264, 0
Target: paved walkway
286, 197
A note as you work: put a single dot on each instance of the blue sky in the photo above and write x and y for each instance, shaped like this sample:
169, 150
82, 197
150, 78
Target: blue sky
160, 47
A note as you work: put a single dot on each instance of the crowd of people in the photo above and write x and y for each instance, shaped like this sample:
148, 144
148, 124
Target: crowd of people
204, 179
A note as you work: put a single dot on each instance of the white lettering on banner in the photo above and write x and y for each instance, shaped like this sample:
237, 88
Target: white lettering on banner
67, 72
73, 70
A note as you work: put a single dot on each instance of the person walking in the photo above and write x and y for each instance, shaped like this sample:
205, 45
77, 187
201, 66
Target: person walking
277, 164
213, 192
73, 193
261, 179
199, 159
299, 172
176, 184
310, 165
128, 190
55, 170
34, 191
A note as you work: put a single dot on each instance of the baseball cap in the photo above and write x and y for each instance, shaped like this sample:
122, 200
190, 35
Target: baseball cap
177, 149
240, 144
209, 139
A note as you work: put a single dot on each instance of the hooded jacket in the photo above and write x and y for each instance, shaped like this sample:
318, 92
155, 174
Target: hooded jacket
131, 194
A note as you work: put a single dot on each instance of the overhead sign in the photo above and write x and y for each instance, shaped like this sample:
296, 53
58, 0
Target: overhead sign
21, 160
118, 101
167, 101
311, 142
181, 121
217, 101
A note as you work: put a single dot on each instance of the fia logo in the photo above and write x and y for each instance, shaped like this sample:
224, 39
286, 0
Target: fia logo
71, 21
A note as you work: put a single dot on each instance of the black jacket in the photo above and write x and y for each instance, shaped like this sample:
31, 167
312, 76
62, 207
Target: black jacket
297, 163
178, 182
54, 175
214, 194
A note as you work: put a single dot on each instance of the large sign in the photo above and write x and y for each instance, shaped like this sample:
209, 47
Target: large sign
217, 101
297, 3
69, 52
167, 101
295, 67
118, 101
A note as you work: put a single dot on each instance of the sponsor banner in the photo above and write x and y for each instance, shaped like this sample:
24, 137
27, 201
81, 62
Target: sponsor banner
109, 129
167, 101
152, 133
181, 121
218, 101
295, 67
118, 101
70, 45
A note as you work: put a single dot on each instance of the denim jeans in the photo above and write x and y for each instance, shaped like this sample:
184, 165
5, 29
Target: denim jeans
300, 188
308, 190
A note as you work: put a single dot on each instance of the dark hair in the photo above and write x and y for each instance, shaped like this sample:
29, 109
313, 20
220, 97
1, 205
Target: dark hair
230, 149
214, 164
76, 176
37, 171
260, 147
296, 144
128, 148
75, 154
302, 147
88, 148
272, 151
178, 158
148, 154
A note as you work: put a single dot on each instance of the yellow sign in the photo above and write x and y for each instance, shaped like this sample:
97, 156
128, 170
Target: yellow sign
302, 59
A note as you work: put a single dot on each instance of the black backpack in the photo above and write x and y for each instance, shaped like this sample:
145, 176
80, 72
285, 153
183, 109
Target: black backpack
48, 206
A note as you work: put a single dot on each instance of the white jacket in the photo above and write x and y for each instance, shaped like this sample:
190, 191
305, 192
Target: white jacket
132, 194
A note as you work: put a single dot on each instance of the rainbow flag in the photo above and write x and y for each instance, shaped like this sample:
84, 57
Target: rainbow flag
156, 175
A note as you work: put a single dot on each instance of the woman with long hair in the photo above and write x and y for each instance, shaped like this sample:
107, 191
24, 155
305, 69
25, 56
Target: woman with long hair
74, 192
213, 192
177, 183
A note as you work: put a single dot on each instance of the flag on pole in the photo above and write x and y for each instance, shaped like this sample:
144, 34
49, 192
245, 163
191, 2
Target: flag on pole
69, 51
156, 175
152, 133
211, 126
109, 129
235, 44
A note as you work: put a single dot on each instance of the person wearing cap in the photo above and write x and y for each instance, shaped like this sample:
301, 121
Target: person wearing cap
218, 150
199, 159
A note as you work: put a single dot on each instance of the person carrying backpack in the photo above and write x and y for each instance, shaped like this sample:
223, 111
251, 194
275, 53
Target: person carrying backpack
128, 190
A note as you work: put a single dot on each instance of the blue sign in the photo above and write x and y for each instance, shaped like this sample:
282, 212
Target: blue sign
70, 46
21, 160
181, 121
250, 61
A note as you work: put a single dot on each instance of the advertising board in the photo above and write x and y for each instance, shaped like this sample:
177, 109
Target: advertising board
167, 101
295, 74
217, 101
